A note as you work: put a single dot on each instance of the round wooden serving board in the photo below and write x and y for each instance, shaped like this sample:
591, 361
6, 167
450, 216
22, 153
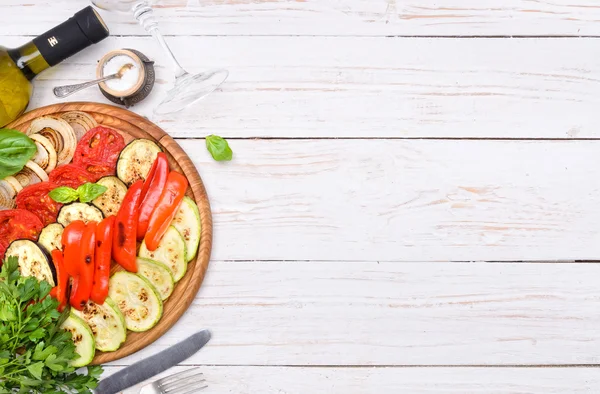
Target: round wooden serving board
134, 126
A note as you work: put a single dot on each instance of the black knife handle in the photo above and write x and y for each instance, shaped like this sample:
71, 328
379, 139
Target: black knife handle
152, 366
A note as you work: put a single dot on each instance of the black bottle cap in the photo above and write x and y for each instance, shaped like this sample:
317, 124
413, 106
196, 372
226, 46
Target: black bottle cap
91, 24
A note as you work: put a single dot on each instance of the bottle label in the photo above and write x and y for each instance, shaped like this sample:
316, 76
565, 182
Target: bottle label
61, 42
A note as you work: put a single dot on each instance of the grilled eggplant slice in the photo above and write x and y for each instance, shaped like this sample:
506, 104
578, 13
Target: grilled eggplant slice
171, 252
59, 132
51, 237
110, 201
45, 156
81, 122
34, 260
137, 299
83, 338
136, 160
106, 322
78, 211
187, 222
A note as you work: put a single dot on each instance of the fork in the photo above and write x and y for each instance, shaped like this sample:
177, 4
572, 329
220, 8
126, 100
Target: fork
187, 382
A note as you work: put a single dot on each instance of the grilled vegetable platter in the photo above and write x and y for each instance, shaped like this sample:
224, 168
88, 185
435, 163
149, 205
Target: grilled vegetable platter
100, 216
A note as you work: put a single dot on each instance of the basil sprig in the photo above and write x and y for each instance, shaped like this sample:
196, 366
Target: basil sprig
84, 193
218, 148
15, 150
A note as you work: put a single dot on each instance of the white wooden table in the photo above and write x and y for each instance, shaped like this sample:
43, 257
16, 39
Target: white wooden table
414, 201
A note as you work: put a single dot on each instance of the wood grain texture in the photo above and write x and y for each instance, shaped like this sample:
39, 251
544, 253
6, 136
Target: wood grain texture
338, 69
285, 380
330, 17
186, 289
404, 200
380, 314
327, 87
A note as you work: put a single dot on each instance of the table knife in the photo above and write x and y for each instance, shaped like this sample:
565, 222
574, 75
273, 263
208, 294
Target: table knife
154, 365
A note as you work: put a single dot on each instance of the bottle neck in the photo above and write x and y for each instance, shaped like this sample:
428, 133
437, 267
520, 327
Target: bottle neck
29, 60
77, 33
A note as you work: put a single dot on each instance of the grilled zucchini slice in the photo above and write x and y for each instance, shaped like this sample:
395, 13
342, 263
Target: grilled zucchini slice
83, 339
110, 201
171, 252
187, 222
158, 274
51, 237
78, 211
106, 322
136, 159
33, 260
137, 299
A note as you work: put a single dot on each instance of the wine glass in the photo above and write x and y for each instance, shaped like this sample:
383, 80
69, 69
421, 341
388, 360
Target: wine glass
188, 88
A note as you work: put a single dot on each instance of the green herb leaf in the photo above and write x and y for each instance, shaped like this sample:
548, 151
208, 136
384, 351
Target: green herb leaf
90, 191
36, 353
84, 193
218, 148
15, 150
64, 195
36, 369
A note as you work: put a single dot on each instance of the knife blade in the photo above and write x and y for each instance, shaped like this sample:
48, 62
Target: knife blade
152, 366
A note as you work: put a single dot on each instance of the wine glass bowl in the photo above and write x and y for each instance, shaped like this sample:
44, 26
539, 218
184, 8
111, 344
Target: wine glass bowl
115, 5
188, 88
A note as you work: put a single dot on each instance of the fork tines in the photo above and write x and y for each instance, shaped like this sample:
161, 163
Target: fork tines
186, 382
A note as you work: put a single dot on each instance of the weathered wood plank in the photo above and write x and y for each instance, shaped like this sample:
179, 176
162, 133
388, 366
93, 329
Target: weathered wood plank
327, 87
280, 380
403, 200
369, 313
331, 17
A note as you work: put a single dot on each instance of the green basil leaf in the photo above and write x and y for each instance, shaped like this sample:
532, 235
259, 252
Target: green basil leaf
90, 191
15, 150
64, 194
218, 148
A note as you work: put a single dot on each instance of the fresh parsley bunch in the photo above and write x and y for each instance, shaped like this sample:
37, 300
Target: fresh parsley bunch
35, 353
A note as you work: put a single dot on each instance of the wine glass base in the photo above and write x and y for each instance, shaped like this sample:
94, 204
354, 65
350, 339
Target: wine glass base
190, 89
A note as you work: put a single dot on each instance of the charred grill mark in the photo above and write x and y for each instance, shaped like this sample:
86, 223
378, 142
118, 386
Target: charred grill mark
121, 234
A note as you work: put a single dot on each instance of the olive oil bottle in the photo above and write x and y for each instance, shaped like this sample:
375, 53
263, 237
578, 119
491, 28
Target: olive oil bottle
20, 65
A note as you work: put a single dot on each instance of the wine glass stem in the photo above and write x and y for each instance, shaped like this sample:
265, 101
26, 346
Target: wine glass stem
179, 71
144, 15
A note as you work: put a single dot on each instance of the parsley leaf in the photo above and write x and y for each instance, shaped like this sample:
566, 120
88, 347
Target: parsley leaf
35, 353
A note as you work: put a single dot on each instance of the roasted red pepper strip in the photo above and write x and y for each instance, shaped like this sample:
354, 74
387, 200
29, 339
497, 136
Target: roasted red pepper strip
104, 241
83, 288
74, 285
125, 230
152, 172
60, 290
166, 208
71, 239
153, 187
